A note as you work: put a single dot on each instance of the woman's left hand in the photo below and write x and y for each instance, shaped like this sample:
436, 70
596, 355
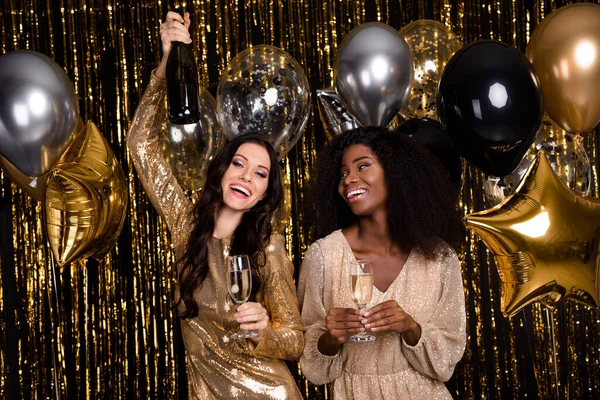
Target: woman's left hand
252, 317
389, 316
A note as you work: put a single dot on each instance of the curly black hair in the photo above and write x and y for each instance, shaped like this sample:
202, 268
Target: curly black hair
250, 237
420, 202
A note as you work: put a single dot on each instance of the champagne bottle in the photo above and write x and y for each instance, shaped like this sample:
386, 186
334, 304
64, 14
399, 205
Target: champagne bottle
183, 94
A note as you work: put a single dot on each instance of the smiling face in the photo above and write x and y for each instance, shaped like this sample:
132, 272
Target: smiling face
362, 181
246, 180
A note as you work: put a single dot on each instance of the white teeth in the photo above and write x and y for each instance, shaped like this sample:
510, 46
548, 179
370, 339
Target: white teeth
240, 189
355, 192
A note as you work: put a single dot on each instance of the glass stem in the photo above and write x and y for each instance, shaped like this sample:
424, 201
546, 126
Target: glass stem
365, 331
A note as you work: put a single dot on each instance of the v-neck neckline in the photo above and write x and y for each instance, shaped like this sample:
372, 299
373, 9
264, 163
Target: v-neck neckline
397, 278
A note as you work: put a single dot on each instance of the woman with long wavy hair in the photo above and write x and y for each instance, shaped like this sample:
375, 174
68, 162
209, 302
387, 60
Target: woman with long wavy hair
232, 217
379, 196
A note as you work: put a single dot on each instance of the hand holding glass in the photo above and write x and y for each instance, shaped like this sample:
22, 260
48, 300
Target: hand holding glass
361, 285
239, 284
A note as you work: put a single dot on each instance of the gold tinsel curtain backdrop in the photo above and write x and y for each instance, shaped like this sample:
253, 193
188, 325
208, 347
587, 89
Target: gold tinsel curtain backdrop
108, 329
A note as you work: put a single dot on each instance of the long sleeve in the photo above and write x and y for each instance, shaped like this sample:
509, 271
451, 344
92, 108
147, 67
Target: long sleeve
443, 336
317, 367
157, 179
283, 337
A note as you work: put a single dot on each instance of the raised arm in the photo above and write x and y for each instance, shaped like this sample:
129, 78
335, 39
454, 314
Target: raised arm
153, 170
158, 181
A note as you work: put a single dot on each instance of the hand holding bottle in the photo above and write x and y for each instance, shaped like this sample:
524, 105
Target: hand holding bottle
178, 66
174, 29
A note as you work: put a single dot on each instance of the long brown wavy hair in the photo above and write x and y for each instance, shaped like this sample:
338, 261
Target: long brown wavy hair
250, 237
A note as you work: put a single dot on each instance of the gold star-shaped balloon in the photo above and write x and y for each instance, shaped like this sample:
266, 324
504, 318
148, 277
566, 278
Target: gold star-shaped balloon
544, 239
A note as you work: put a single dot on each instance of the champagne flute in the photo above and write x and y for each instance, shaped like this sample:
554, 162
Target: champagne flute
239, 284
361, 285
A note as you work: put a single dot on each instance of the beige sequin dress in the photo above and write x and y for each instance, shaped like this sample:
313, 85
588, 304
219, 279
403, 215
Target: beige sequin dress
219, 367
388, 368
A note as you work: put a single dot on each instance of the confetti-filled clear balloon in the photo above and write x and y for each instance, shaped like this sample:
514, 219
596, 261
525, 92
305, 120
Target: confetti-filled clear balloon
264, 90
190, 148
566, 155
431, 45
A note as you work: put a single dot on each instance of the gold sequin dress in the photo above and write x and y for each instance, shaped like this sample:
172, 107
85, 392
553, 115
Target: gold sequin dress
387, 368
219, 367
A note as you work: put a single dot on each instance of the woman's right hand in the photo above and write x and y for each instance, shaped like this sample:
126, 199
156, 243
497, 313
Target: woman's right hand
174, 29
342, 323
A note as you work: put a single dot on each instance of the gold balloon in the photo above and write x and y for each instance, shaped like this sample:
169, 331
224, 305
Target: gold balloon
545, 240
86, 199
281, 217
565, 52
431, 45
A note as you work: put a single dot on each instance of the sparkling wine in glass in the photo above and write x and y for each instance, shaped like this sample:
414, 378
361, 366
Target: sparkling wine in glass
239, 284
361, 285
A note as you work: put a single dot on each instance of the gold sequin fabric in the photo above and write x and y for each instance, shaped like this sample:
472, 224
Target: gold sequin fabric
430, 291
220, 367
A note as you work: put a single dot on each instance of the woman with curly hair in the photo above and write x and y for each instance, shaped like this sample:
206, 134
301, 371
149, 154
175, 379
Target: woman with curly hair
379, 196
232, 216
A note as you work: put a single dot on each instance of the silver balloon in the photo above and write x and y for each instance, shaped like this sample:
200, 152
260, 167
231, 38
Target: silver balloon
566, 154
190, 148
38, 111
334, 117
264, 90
374, 71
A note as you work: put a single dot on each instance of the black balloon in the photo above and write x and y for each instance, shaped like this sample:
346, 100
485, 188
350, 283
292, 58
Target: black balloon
490, 105
429, 133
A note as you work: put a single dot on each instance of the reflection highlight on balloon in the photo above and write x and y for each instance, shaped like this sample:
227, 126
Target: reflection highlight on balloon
585, 54
497, 95
535, 227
